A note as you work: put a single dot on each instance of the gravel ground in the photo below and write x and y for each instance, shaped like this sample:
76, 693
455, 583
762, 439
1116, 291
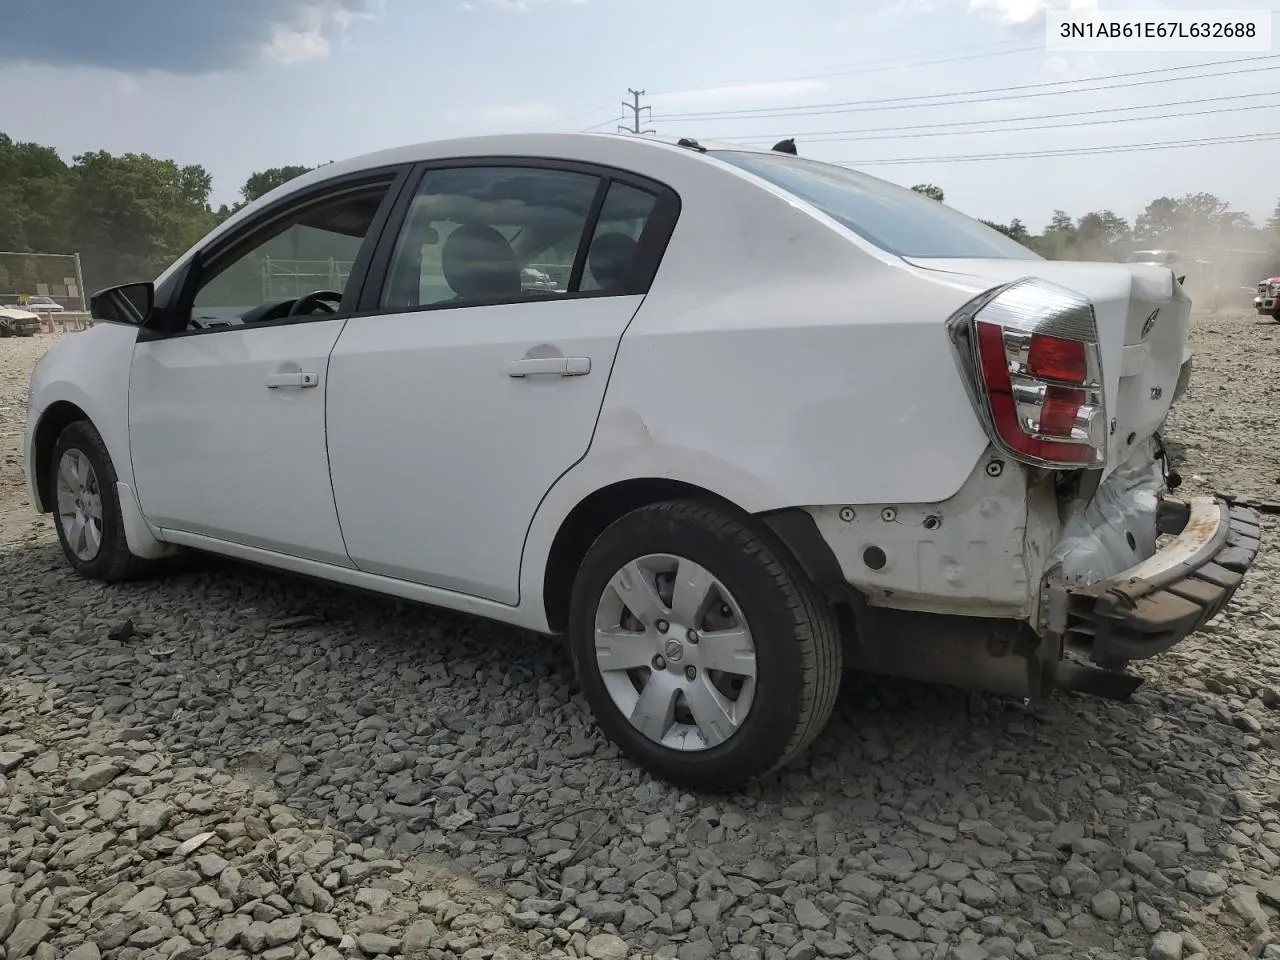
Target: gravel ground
229, 762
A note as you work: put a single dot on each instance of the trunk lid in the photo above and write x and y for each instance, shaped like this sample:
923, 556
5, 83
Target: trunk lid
1142, 316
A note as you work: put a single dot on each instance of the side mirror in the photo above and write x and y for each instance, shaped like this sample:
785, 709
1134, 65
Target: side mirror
129, 303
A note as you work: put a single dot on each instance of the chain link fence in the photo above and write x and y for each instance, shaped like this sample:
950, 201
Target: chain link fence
50, 285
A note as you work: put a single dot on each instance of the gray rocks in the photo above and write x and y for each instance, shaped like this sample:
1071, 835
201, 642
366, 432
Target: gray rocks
95, 777
904, 928
605, 946
1149, 917
153, 818
861, 886
604, 911
977, 894
1106, 904
26, 936
225, 764
810, 917
1206, 883
1166, 946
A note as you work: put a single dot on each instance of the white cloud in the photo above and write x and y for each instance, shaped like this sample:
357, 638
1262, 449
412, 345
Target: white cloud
1023, 11
523, 6
749, 92
308, 36
1058, 69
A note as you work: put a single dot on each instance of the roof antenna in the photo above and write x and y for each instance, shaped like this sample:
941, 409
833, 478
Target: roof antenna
786, 146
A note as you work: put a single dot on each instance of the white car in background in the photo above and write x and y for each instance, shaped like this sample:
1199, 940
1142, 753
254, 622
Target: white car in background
43, 305
784, 419
1267, 302
18, 322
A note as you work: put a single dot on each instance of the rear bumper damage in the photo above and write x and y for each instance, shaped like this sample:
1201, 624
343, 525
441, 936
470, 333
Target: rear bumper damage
1145, 610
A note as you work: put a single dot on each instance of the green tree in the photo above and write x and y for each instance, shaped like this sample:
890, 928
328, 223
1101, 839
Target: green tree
930, 191
1101, 230
1058, 241
33, 197
132, 214
1191, 213
264, 181
1015, 229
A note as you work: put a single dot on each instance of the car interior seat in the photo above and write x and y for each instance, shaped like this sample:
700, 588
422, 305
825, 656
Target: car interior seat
478, 263
610, 259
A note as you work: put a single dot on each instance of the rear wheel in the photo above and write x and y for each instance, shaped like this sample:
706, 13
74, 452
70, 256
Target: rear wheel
704, 654
86, 509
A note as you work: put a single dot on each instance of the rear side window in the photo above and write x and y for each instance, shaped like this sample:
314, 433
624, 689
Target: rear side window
895, 219
611, 258
490, 234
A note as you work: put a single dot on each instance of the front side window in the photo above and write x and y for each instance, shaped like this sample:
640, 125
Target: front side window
300, 264
490, 233
895, 219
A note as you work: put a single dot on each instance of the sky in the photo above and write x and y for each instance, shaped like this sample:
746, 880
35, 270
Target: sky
243, 85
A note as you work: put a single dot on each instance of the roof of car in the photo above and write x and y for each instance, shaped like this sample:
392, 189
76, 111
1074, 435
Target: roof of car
518, 144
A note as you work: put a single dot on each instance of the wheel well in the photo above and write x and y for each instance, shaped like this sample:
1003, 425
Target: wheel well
54, 421
589, 519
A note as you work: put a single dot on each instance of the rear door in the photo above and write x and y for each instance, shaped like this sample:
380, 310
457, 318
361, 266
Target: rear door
475, 376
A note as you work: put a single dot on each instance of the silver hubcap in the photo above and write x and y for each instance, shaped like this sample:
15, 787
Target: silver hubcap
79, 505
675, 652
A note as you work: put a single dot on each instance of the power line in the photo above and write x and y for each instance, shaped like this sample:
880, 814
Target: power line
602, 123
888, 63
1069, 151
869, 66
636, 110
981, 96
565, 117
913, 132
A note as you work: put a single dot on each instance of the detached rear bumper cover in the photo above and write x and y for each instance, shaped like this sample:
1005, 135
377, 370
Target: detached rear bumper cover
1145, 610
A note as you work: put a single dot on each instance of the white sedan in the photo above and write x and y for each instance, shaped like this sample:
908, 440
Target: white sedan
781, 418
43, 304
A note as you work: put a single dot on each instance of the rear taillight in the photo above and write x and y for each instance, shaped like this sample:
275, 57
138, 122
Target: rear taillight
1029, 354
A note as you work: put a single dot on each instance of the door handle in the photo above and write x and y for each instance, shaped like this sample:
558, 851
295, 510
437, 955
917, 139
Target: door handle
554, 366
300, 379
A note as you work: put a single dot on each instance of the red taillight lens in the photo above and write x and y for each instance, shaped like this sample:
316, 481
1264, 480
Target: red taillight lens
1059, 411
1055, 358
1041, 391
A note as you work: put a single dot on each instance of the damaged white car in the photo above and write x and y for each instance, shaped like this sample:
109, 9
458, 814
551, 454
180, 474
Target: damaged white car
782, 420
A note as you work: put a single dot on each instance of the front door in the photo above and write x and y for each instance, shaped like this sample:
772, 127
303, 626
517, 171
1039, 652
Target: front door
227, 412
453, 411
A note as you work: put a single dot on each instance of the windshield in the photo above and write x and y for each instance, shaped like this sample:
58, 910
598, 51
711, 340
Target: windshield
894, 218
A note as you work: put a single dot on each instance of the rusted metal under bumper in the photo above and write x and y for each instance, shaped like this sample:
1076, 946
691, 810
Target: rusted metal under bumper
1145, 610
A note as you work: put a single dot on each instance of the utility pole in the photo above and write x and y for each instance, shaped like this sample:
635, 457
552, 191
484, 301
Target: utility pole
636, 110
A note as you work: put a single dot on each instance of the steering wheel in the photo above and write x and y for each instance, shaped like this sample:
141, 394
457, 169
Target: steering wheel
308, 302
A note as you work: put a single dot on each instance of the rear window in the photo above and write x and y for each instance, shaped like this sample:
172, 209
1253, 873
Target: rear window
893, 218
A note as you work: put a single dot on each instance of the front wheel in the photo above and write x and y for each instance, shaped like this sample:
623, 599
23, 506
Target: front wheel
86, 509
705, 654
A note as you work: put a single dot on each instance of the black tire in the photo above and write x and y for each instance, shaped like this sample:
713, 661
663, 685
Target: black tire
796, 640
113, 562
